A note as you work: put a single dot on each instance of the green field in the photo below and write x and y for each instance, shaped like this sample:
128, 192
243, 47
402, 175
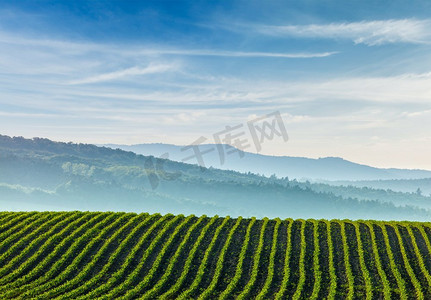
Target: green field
82, 255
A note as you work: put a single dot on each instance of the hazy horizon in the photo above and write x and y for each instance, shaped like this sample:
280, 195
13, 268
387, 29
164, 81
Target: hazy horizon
246, 150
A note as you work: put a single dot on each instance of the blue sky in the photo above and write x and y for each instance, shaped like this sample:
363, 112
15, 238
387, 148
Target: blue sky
350, 78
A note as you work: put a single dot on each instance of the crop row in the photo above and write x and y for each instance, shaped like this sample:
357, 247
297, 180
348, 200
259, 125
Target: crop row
91, 255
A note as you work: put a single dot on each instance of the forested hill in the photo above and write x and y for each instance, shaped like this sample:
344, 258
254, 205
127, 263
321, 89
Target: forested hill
419, 186
39, 174
326, 168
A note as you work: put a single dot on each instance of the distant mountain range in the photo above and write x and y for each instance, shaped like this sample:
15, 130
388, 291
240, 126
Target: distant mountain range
300, 168
39, 174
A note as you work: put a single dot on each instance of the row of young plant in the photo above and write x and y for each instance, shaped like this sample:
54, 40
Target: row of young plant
332, 275
219, 266
44, 250
256, 259
12, 222
151, 293
239, 267
287, 256
418, 253
14, 239
121, 273
387, 291
187, 294
66, 290
90, 284
303, 248
20, 250
418, 290
393, 264
50, 259
133, 277
68, 271
77, 273
363, 266
271, 266
190, 257
316, 264
417, 260
36, 278
118, 255
144, 282
346, 259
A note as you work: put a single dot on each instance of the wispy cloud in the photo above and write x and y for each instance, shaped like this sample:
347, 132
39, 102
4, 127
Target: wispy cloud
417, 113
134, 71
371, 33
222, 53
75, 48
171, 85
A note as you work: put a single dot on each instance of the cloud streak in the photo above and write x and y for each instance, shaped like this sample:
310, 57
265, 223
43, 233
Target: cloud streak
185, 95
134, 71
371, 33
75, 48
223, 53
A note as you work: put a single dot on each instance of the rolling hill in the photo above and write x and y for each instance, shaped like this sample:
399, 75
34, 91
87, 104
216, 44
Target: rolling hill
39, 174
327, 168
398, 185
